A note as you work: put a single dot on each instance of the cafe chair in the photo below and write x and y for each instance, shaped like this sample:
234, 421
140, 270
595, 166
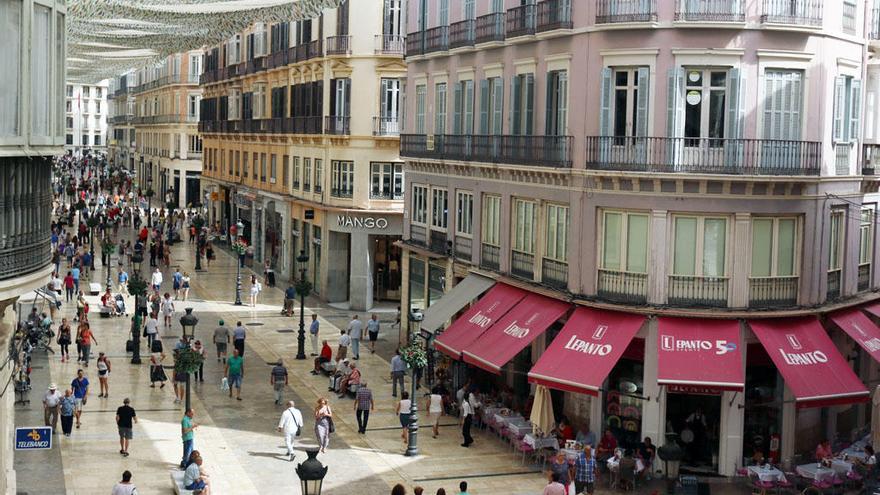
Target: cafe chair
762, 487
526, 450
823, 486
784, 486
838, 484
627, 478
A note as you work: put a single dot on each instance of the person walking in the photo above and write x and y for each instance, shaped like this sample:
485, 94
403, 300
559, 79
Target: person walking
222, 336
238, 336
86, 338
64, 339
355, 331
404, 412
199, 349
51, 407
125, 487
278, 379
103, 365
157, 371
467, 417
314, 329
290, 424
323, 423
80, 386
585, 471
184, 285
156, 279
235, 373
342, 349
434, 405
363, 405
75, 273
398, 370
289, 300
67, 405
176, 282
122, 279
69, 287
125, 414
187, 427
256, 287
373, 332
167, 309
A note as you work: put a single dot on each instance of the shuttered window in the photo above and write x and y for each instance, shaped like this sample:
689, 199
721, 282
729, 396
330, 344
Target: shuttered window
523, 104
783, 104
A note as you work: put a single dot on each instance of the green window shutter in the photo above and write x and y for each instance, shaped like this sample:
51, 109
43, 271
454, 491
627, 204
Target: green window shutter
734, 104
644, 90
529, 95
497, 105
762, 247
611, 248
685, 255
605, 102
484, 106
516, 104
456, 117
675, 109
637, 243
468, 107
856, 109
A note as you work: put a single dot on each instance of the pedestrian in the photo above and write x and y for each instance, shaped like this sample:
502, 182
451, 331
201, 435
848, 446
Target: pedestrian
434, 405
238, 336
67, 406
86, 338
278, 379
555, 487
404, 412
256, 287
398, 370
314, 328
69, 287
585, 471
156, 279
151, 330
176, 282
122, 278
342, 350
179, 382
323, 423
235, 373
398, 489
290, 424
462, 488
80, 386
125, 487
187, 426
222, 336
125, 414
325, 357
201, 351
64, 339
355, 331
363, 405
75, 273
289, 300
157, 371
51, 407
185, 285
103, 365
373, 332
209, 252
167, 309
81, 306
467, 417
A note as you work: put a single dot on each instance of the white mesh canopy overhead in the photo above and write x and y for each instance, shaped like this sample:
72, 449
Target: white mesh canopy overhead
107, 37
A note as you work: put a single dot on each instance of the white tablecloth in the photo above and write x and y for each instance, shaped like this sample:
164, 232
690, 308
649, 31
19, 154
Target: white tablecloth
504, 420
766, 474
614, 463
571, 454
520, 428
855, 451
814, 472
840, 466
538, 443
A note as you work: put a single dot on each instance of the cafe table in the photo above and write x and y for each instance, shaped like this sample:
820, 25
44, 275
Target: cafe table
766, 473
815, 472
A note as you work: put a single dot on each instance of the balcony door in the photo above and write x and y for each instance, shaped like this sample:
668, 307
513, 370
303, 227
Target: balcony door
390, 101
705, 100
392, 24
623, 118
782, 119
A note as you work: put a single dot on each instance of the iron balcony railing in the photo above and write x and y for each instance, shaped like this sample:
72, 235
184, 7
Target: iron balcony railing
710, 11
554, 14
306, 51
832, 290
800, 12
490, 27
390, 44
842, 158
437, 241
622, 287
339, 125
614, 11
686, 290
704, 155
338, 45
490, 257
543, 151
376, 193
522, 264
864, 282
415, 43
279, 58
307, 125
437, 39
463, 247
164, 119
337, 192
157, 83
258, 64
462, 33
22, 260
554, 273
418, 234
773, 292
386, 126
521, 20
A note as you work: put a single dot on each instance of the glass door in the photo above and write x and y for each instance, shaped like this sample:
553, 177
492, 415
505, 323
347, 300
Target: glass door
705, 95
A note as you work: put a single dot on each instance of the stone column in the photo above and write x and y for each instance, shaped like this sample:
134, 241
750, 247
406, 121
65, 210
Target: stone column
361, 280
789, 426
336, 288
732, 420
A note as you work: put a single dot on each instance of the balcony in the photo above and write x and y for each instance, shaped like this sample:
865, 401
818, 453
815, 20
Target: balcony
870, 159
305, 51
490, 27
554, 273
121, 119
849, 17
157, 83
864, 277
164, 119
710, 11
20, 261
386, 126
438, 242
554, 14
773, 292
541, 151
258, 64
415, 44
463, 247
437, 39
338, 45
622, 287
490, 257
462, 34
798, 12
345, 192
390, 44
708, 292
522, 265
339, 126
521, 20
617, 11
704, 155
307, 125
376, 193
832, 291
842, 158
418, 234
279, 58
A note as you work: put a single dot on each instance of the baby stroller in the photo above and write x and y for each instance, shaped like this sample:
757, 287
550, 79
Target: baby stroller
120, 305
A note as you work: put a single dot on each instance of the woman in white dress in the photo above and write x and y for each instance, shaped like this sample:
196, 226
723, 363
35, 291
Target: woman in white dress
256, 287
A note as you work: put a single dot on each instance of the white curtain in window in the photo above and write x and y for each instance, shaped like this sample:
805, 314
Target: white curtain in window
611, 247
785, 248
714, 233
637, 244
762, 247
684, 259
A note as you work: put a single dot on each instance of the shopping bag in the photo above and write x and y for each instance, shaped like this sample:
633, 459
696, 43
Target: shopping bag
224, 384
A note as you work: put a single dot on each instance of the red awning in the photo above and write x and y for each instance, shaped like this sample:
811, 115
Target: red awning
699, 353
808, 361
873, 308
860, 328
581, 356
514, 331
478, 318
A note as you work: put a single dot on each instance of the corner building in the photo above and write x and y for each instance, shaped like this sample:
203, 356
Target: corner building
693, 181
301, 137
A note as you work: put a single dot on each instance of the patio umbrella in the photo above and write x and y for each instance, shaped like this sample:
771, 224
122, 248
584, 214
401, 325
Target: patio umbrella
542, 411
875, 417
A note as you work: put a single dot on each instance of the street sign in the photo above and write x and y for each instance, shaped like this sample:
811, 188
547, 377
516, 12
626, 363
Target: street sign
33, 438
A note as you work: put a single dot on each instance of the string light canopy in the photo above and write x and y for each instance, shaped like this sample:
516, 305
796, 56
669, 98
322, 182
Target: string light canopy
108, 37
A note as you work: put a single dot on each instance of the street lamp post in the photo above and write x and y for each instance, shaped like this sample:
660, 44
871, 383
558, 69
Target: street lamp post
150, 202
92, 224
412, 447
302, 287
188, 323
239, 227
311, 473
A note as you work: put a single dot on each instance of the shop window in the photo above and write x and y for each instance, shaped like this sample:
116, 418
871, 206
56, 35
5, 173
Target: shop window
307, 174
417, 299
623, 402
464, 219
296, 172
420, 204
763, 406
436, 283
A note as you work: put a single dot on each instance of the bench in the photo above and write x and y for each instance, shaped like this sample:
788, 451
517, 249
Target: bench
328, 368
177, 481
94, 289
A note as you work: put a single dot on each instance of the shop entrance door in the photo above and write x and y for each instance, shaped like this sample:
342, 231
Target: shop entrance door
694, 420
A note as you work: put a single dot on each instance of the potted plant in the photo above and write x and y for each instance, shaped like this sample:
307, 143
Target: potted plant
414, 355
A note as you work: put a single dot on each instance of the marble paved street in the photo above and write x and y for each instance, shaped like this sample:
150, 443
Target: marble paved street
242, 451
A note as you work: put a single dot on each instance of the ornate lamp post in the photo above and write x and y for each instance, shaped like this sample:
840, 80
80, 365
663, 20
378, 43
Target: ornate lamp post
198, 223
107, 249
149, 195
137, 287
185, 356
415, 358
303, 287
239, 227
92, 222
311, 473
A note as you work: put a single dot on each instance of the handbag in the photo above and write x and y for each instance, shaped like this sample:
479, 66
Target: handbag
332, 428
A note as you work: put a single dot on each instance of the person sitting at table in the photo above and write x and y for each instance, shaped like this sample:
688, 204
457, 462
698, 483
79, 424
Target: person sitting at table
646, 452
585, 436
563, 431
626, 469
870, 459
559, 467
823, 452
758, 458
606, 446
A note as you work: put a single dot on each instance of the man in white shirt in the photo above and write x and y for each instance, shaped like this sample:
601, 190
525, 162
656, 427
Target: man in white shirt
344, 342
51, 407
290, 424
467, 416
151, 328
355, 331
125, 487
156, 280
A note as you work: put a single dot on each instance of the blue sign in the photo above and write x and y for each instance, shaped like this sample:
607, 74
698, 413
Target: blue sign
33, 438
